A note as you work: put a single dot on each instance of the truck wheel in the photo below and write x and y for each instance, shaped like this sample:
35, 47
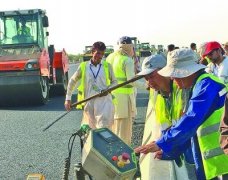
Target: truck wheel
43, 91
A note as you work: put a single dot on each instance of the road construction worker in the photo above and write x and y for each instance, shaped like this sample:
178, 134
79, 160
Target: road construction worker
194, 49
219, 67
166, 104
200, 123
125, 101
219, 63
193, 46
23, 30
170, 47
95, 76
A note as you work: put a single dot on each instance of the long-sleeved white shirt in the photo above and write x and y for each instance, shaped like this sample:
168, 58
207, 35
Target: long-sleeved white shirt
98, 112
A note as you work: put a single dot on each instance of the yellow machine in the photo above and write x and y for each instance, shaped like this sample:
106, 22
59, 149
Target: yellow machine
160, 49
109, 50
136, 43
35, 177
153, 49
145, 49
87, 54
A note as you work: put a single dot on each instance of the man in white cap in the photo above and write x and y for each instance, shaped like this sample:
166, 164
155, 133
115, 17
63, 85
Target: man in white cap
166, 105
200, 123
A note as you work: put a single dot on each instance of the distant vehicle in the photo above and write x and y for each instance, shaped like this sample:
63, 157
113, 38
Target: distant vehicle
160, 49
109, 50
145, 49
136, 44
87, 53
28, 66
153, 49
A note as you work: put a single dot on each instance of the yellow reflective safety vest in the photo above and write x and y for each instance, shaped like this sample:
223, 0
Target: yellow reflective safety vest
117, 60
24, 31
167, 110
215, 162
81, 87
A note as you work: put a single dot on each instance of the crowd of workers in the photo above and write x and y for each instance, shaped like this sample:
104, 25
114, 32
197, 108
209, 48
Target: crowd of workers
186, 126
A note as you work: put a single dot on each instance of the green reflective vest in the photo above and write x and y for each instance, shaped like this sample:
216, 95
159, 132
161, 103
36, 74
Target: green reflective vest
117, 60
81, 87
24, 31
215, 162
167, 112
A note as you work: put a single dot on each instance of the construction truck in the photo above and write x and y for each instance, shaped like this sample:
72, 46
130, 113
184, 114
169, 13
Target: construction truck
29, 67
109, 50
136, 44
87, 53
145, 49
153, 49
160, 49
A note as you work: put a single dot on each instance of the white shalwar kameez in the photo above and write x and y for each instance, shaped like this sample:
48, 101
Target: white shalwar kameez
98, 112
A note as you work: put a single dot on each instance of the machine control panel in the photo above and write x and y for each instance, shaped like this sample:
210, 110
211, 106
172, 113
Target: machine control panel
107, 136
113, 149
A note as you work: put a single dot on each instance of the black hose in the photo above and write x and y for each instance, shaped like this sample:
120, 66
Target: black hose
66, 169
138, 172
67, 160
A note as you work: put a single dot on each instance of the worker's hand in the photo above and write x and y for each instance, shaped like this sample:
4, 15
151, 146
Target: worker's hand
158, 154
103, 93
151, 147
67, 105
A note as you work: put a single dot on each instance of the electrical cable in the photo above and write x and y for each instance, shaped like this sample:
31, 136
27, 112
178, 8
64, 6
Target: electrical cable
67, 160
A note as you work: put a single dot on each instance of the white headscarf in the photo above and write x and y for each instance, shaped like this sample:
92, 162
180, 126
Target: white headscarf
126, 49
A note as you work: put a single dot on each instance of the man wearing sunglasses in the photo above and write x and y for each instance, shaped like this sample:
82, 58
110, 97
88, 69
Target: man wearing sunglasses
219, 63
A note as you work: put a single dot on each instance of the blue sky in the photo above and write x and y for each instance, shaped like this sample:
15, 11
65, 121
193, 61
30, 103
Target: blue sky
75, 24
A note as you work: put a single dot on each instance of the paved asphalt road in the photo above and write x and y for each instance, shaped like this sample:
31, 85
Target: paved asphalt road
25, 148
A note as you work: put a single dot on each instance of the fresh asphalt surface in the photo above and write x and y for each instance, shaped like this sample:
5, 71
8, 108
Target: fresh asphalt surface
25, 148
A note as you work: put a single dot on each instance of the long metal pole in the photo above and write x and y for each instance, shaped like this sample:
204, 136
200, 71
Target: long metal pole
94, 96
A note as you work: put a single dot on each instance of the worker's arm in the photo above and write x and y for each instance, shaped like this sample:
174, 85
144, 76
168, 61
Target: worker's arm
113, 80
70, 88
200, 108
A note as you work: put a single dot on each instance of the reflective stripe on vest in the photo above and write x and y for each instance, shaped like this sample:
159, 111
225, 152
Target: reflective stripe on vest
208, 130
212, 153
117, 61
208, 137
81, 88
